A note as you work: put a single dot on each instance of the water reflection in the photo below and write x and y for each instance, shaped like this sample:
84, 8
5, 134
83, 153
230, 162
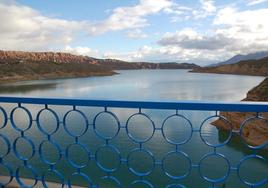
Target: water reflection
25, 88
134, 85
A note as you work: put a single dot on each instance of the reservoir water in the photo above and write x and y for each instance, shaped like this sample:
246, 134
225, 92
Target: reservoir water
144, 85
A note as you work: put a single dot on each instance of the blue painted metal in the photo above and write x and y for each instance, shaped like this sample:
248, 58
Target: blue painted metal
183, 105
65, 153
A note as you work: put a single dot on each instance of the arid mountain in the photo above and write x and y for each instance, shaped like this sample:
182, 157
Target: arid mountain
19, 56
17, 65
238, 58
251, 67
123, 65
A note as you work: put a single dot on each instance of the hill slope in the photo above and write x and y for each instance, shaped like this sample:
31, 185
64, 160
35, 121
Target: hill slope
123, 65
238, 58
251, 67
17, 65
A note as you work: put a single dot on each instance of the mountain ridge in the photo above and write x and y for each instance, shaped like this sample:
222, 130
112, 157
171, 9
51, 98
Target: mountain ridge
240, 57
19, 65
250, 67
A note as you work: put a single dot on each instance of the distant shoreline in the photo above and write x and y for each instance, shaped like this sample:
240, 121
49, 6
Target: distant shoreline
8, 80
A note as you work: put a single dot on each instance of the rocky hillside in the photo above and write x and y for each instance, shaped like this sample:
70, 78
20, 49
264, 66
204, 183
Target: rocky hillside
123, 65
252, 67
19, 56
239, 57
255, 132
17, 65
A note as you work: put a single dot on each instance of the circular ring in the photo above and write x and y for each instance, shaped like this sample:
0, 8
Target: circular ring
5, 118
135, 171
32, 170
133, 137
175, 186
143, 182
7, 143
13, 122
72, 162
218, 180
113, 179
41, 153
39, 124
229, 136
242, 137
56, 173
66, 128
101, 135
260, 183
10, 172
169, 140
179, 153
83, 175
18, 155
101, 166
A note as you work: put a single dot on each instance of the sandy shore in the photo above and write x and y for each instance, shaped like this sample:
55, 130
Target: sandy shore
14, 183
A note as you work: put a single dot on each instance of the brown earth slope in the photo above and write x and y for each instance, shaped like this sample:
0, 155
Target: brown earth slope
251, 67
255, 132
17, 65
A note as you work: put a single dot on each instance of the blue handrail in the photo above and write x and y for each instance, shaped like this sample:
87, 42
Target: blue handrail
183, 105
12, 133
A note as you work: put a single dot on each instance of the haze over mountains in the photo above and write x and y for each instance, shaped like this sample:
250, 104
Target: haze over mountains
248, 67
239, 57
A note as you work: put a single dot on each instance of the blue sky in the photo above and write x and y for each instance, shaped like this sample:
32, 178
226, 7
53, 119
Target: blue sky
198, 31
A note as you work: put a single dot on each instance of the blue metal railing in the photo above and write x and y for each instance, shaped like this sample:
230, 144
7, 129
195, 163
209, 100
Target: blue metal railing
12, 133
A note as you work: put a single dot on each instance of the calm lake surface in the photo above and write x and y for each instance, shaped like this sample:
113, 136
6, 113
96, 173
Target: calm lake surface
153, 85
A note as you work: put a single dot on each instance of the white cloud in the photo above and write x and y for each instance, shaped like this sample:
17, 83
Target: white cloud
249, 27
130, 17
255, 2
24, 28
234, 32
179, 13
80, 50
136, 34
190, 39
207, 9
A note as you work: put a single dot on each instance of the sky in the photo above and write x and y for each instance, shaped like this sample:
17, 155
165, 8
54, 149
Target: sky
193, 31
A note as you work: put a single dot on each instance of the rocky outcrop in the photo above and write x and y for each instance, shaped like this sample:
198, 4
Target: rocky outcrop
256, 131
252, 67
18, 56
18, 66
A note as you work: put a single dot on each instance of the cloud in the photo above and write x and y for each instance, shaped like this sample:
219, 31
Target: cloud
136, 34
190, 39
24, 28
169, 54
130, 17
207, 9
232, 32
80, 50
249, 27
181, 13
255, 2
